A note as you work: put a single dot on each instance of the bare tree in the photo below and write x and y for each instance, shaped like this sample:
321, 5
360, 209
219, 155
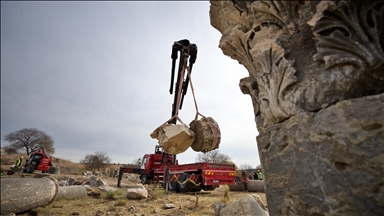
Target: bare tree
10, 150
96, 160
214, 157
30, 139
136, 161
246, 167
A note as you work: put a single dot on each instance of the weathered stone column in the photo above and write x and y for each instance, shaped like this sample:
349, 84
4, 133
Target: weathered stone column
23, 194
316, 80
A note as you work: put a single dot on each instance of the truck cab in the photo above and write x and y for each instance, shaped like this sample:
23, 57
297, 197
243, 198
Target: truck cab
154, 161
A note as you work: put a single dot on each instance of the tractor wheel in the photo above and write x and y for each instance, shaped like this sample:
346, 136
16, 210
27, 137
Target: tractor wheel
29, 169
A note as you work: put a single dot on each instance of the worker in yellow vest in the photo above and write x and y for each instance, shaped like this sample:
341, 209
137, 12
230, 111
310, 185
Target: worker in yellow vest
259, 175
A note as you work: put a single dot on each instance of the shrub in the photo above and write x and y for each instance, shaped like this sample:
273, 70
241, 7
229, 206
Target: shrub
121, 202
111, 194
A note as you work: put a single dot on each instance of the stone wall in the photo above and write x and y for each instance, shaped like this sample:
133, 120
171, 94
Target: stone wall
316, 80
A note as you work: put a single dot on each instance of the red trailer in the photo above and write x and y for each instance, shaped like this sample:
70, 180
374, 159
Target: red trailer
164, 169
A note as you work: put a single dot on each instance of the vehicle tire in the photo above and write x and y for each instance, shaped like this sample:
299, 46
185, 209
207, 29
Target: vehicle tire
172, 186
209, 188
183, 188
29, 169
144, 179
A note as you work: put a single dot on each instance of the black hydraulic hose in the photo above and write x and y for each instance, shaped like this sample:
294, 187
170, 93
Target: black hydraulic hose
179, 78
172, 75
174, 57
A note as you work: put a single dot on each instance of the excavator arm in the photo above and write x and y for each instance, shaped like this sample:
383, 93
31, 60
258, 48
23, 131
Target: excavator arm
187, 51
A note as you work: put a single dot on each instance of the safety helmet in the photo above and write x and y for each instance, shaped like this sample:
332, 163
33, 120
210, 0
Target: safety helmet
21, 156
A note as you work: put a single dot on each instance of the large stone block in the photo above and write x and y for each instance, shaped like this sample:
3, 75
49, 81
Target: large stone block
329, 162
174, 139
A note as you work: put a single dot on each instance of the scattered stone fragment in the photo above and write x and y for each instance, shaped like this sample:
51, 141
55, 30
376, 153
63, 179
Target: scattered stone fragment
93, 181
217, 206
71, 181
107, 188
259, 201
87, 173
101, 183
77, 182
88, 187
62, 183
137, 191
169, 206
204, 135
245, 206
174, 139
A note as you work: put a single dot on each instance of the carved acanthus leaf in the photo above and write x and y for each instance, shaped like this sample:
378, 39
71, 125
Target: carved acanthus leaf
235, 45
280, 13
350, 34
275, 74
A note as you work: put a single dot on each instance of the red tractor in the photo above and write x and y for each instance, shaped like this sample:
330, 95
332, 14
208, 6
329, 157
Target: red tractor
38, 160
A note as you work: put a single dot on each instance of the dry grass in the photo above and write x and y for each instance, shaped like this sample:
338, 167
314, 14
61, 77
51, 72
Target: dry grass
226, 198
186, 204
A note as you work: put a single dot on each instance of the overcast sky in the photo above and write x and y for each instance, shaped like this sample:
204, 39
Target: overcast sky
95, 76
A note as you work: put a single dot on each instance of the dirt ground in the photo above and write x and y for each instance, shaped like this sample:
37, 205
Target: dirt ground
200, 203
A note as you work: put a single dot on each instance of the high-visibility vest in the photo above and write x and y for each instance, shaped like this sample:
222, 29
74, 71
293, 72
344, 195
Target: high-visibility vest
260, 175
19, 162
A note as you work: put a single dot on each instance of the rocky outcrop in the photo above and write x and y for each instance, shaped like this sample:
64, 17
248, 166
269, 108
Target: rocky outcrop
316, 80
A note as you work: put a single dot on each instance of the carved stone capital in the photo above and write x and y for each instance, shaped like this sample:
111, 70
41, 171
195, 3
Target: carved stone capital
303, 55
316, 80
